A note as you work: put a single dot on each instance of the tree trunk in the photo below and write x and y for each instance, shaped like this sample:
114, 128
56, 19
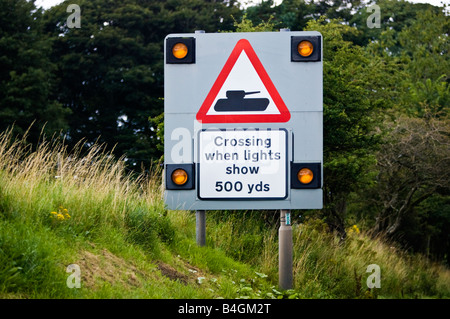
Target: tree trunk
401, 212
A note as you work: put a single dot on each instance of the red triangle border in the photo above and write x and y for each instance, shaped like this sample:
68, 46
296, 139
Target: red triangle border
243, 45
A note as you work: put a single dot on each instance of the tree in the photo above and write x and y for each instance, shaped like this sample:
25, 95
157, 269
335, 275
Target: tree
27, 85
394, 17
410, 174
110, 70
295, 14
425, 228
246, 25
426, 53
356, 90
414, 164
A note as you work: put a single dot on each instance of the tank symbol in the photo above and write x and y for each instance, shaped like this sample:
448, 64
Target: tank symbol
235, 102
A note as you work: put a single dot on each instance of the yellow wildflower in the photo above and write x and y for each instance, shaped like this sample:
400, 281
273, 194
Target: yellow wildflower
353, 229
62, 214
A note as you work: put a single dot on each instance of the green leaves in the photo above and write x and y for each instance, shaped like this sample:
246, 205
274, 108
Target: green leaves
110, 71
27, 83
351, 114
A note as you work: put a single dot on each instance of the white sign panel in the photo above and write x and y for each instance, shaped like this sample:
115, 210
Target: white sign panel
242, 164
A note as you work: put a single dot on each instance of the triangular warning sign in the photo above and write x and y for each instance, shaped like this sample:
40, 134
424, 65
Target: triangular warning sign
243, 92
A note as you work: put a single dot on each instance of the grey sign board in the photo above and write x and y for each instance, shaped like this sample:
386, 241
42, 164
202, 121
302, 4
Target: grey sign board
243, 118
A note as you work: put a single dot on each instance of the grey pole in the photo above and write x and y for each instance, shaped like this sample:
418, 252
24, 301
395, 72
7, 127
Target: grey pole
285, 277
200, 215
200, 227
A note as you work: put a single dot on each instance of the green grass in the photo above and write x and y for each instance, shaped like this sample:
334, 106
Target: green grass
128, 245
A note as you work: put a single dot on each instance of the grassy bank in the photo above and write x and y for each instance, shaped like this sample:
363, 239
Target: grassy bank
58, 208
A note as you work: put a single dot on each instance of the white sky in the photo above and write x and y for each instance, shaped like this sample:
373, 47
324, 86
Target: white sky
50, 3
47, 3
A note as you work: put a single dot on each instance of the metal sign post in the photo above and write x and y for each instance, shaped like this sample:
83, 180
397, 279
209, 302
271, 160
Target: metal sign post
285, 276
200, 227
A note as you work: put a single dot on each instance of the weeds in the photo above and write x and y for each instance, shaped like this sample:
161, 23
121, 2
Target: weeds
60, 207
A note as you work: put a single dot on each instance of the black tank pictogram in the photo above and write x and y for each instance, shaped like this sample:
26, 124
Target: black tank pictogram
235, 102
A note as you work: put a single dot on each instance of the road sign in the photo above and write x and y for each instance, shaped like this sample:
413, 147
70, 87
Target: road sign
243, 125
242, 164
229, 99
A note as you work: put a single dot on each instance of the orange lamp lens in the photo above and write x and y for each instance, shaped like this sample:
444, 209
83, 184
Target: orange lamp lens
179, 50
305, 176
305, 48
179, 176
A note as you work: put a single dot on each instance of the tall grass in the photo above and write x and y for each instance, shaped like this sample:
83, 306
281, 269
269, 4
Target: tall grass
59, 207
327, 264
324, 266
92, 185
95, 197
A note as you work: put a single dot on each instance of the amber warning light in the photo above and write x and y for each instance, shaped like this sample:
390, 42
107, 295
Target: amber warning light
305, 176
179, 176
179, 50
305, 48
